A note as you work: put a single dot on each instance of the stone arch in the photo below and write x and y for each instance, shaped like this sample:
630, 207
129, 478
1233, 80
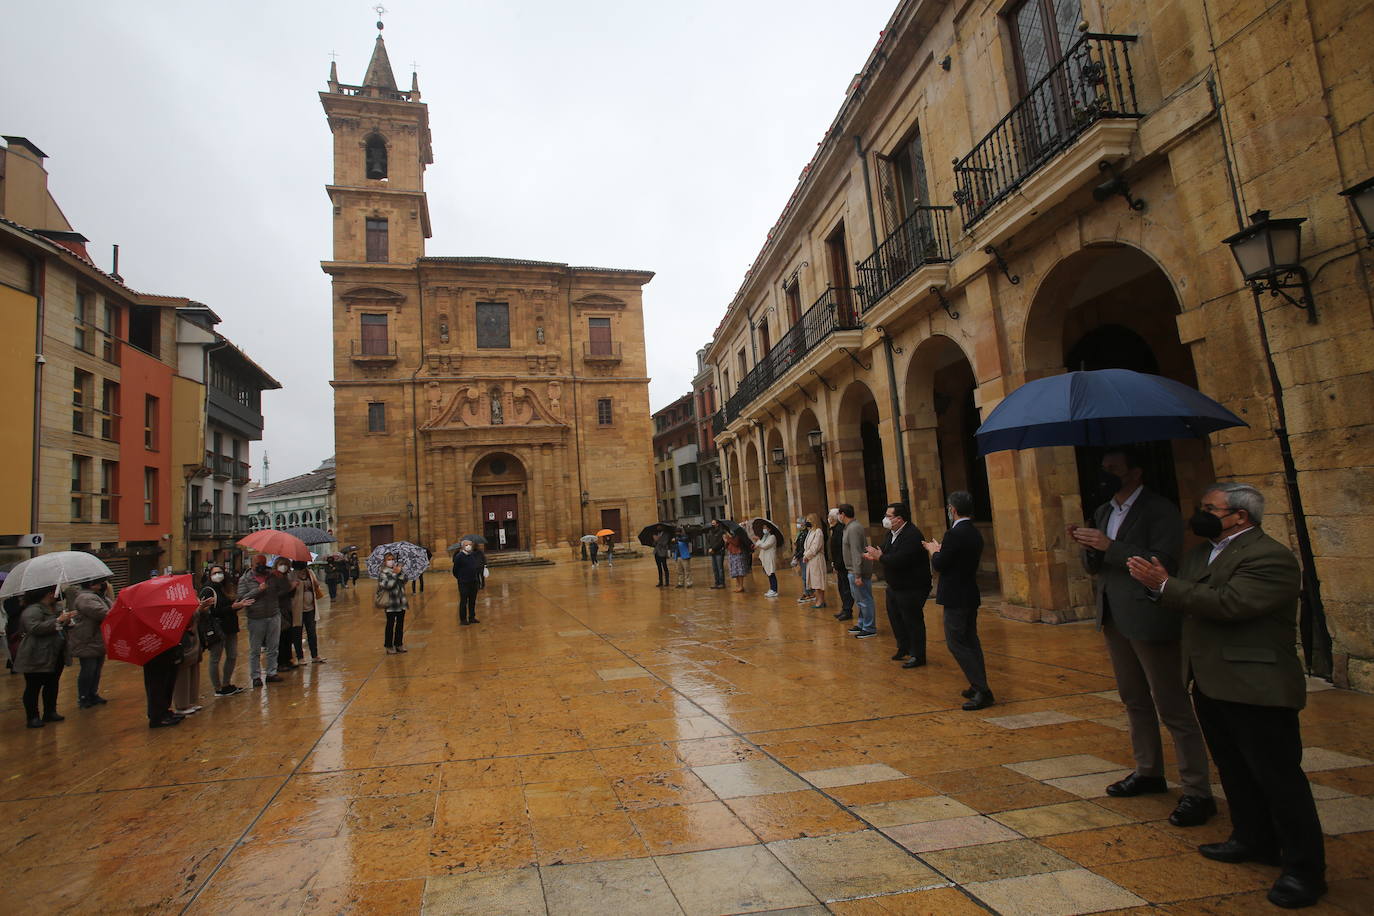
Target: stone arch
858, 453
812, 486
753, 498
501, 508
732, 482
776, 474
375, 156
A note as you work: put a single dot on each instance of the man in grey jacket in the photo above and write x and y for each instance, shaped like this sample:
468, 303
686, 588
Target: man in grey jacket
859, 570
1144, 639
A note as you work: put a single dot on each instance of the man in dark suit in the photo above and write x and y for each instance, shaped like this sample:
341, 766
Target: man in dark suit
1143, 638
1239, 599
956, 560
907, 571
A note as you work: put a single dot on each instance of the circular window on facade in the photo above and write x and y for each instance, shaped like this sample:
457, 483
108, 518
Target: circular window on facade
497, 466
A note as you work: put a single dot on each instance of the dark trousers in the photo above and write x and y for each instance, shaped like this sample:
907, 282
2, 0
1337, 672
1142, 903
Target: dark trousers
333, 589
905, 612
661, 564
846, 595
395, 629
290, 639
47, 683
420, 581
772, 582
718, 569
467, 600
961, 636
159, 679
1258, 753
307, 628
88, 681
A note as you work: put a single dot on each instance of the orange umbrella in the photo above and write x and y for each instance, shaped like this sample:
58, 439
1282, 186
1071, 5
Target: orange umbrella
603, 532
277, 543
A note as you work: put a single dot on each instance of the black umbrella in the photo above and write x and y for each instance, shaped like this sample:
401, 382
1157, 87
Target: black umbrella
647, 536
310, 535
759, 525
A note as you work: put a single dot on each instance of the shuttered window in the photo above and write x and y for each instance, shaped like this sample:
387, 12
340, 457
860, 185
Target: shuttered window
599, 336
374, 337
376, 417
378, 244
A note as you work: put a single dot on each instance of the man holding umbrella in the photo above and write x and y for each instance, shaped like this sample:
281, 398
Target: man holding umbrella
715, 548
1143, 639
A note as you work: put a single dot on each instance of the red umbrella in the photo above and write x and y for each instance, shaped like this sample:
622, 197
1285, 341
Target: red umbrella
277, 543
148, 618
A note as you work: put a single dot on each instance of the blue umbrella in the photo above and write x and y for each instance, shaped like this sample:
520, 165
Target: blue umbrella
1101, 407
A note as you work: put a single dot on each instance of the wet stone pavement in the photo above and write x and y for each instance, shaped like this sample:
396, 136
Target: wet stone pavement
598, 745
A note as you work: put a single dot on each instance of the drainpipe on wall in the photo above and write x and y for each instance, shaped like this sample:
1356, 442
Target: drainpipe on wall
888, 348
39, 268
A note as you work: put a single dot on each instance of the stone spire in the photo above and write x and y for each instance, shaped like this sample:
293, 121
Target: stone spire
379, 74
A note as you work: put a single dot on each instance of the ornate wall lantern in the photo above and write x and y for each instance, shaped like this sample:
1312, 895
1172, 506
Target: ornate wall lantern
1361, 197
1269, 254
779, 457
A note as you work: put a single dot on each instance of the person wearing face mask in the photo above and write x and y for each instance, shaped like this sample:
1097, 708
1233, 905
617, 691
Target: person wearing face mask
813, 556
834, 552
906, 568
226, 623
267, 588
715, 549
304, 630
42, 654
391, 598
467, 571
291, 617
1143, 639
86, 643
798, 551
765, 546
1238, 597
956, 560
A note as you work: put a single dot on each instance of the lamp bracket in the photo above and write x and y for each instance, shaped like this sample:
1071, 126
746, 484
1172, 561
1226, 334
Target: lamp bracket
1117, 184
823, 381
793, 276
805, 393
1294, 278
846, 352
939, 293
1013, 279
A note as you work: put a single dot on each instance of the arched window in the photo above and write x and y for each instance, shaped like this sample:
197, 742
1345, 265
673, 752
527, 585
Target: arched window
374, 161
281, 520
295, 519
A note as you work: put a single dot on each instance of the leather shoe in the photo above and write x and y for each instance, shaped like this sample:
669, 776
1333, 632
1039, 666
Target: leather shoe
898, 656
1292, 892
914, 663
981, 699
54, 717
1193, 811
1235, 852
845, 615
1135, 784
35, 723
968, 692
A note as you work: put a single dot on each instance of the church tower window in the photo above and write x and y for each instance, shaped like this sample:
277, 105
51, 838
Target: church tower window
377, 241
374, 160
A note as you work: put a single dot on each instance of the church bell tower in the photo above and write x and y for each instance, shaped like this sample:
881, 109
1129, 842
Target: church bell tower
381, 147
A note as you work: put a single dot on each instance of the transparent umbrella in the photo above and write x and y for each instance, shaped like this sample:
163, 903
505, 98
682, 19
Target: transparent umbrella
65, 567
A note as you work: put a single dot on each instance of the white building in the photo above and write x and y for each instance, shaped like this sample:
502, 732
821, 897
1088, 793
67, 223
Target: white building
306, 500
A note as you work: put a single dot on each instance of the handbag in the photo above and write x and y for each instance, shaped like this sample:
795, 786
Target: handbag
319, 592
380, 600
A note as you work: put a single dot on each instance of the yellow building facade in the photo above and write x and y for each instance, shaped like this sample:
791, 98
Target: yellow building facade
496, 396
1011, 191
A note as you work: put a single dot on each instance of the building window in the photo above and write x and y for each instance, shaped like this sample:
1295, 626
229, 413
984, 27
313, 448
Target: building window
1042, 30
374, 335
83, 386
794, 307
765, 342
374, 164
743, 363
691, 505
376, 417
81, 469
603, 412
687, 474
109, 489
150, 431
150, 495
83, 318
145, 329
493, 325
110, 325
599, 336
109, 410
377, 244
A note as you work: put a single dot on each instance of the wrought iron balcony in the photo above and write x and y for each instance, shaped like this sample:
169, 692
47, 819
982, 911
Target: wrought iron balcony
921, 239
833, 311
717, 422
1092, 82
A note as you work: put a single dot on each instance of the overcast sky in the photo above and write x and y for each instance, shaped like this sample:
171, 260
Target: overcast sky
614, 133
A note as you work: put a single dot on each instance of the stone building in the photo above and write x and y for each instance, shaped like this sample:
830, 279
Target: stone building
677, 474
499, 396
708, 456
1102, 154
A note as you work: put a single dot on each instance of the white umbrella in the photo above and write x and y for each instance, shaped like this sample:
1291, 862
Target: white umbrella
65, 567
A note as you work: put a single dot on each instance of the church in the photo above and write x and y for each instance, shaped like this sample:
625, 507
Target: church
472, 395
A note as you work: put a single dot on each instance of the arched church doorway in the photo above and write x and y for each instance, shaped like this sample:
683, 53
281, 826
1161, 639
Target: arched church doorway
500, 501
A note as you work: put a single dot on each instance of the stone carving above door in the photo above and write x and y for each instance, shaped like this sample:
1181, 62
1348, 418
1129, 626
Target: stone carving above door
468, 405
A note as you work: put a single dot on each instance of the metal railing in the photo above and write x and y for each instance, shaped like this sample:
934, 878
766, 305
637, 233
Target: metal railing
717, 422
921, 239
243, 472
1091, 82
833, 311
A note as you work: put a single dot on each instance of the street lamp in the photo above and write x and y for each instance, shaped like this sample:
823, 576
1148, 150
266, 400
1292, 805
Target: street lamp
1361, 197
814, 440
1269, 254
779, 456
205, 507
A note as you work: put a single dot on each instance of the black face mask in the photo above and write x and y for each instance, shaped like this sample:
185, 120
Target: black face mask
1108, 484
260, 569
1205, 525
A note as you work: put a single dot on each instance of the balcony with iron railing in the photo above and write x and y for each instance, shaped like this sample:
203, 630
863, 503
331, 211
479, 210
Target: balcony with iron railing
243, 472
1093, 83
920, 240
833, 311
717, 422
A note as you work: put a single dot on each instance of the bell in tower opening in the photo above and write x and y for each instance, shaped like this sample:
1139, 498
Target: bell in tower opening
375, 161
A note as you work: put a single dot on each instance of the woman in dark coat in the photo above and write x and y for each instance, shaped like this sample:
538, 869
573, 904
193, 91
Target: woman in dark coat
42, 654
225, 616
86, 643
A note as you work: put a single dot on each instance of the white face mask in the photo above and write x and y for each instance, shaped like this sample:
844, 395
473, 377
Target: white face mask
887, 522
217, 577
467, 548
390, 563
283, 569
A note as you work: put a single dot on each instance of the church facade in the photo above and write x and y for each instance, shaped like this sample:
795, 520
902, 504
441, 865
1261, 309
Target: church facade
495, 396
